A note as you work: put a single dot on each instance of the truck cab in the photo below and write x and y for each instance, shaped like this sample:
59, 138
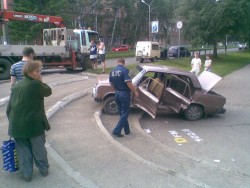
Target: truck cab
76, 39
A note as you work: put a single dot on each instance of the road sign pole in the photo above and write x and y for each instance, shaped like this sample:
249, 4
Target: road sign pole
179, 26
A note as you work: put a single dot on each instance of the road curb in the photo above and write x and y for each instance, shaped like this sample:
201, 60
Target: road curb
4, 81
66, 100
68, 81
76, 176
142, 160
4, 100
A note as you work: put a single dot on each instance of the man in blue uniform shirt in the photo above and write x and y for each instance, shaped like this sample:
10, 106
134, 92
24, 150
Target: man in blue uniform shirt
122, 83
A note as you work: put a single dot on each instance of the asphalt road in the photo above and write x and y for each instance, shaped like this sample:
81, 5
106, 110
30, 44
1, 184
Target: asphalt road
219, 143
222, 139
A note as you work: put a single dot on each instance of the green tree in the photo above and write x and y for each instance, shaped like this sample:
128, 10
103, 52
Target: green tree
210, 21
28, 32
163, 12
123, 19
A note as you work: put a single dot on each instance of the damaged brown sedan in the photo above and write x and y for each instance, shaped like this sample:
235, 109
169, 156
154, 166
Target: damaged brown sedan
165, 88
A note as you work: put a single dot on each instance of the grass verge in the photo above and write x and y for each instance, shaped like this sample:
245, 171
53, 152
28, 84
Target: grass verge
112, 55
223, 65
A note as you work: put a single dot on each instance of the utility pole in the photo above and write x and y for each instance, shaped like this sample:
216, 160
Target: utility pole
149, 21
3, 7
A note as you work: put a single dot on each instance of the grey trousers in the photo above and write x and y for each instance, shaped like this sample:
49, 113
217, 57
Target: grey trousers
31, 149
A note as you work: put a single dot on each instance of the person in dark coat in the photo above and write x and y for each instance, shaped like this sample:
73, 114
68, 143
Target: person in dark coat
28, 121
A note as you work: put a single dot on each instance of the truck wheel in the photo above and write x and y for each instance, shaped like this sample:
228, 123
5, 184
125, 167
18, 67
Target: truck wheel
86, 63
69, 69
110, 106
4, 69
193, 112
83, 65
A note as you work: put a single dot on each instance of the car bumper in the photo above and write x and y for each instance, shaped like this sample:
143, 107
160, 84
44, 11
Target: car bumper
137, 58
171, 55
145, 58
220, 111
94, 95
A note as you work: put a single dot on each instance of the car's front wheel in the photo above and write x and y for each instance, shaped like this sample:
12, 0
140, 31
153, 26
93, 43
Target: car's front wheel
193, 112
110, 106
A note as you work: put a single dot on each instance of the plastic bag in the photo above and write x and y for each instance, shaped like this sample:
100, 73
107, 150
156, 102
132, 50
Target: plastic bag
10, 161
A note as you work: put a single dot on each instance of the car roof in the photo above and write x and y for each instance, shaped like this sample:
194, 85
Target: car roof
164, 68
171, 70
153, 42
177, 46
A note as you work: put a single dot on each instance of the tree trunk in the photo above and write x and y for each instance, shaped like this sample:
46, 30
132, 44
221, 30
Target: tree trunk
215, 50
112, 37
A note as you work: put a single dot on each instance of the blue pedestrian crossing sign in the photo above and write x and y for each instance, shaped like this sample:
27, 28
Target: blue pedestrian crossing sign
155, 26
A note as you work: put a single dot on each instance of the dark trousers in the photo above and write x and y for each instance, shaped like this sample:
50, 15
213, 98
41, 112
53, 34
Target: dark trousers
31, 149
123, 102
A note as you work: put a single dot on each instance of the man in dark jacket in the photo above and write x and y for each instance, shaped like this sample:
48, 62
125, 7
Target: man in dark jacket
28, 121
122, 83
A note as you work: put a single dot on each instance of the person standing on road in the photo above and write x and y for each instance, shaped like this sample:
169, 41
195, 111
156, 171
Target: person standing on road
196, 64
16, 70
28, 121
101, 51
93, 55
208, 64
122, 83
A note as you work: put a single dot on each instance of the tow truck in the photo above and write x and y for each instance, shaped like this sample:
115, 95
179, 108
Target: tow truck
61, 46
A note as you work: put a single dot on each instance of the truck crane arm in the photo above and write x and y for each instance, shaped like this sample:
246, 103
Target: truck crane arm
12, 15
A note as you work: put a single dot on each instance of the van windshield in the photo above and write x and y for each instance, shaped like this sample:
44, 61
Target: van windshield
155, 47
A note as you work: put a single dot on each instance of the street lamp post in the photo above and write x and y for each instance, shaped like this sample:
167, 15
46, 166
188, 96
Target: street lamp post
4, 25
89, 11
149, 9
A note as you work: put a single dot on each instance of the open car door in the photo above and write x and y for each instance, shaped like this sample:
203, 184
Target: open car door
177, 94
150, 91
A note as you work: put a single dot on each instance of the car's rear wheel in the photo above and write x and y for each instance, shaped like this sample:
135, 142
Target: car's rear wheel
193, 112
110, 106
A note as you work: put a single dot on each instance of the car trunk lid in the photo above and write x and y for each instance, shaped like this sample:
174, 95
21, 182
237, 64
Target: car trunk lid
208, 80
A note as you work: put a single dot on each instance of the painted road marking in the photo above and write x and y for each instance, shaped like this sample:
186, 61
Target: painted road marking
192, 135
177, 137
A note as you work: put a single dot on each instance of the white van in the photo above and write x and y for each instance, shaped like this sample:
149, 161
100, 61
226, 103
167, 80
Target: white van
147, 50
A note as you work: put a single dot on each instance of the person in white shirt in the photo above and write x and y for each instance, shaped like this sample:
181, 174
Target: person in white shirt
101, 51
196, 64
208, 64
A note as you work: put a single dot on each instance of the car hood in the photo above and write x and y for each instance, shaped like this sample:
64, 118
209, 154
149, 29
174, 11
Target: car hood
208, 80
